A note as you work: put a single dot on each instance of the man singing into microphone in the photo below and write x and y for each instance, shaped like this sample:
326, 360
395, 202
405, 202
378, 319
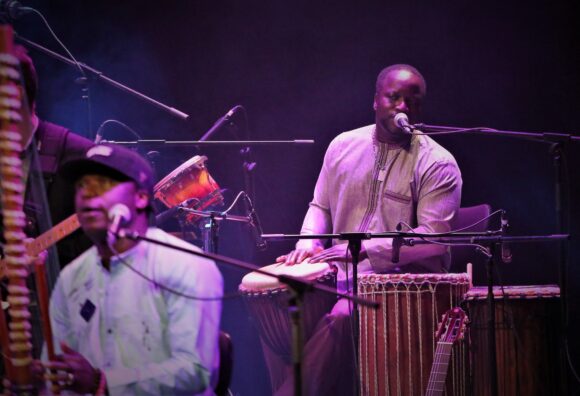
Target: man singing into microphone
130, 317
372, 179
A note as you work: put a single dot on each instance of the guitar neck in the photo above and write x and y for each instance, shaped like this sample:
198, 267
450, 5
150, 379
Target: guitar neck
52, 236
436, 385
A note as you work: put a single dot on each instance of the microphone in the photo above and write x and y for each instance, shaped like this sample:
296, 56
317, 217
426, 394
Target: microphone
98, 136
13, 9
402, 121
167, 214
397, 243
506, 253
119, 215
221, 122
255, 224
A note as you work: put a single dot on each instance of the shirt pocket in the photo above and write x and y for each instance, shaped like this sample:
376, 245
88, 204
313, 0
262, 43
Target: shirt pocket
397, 197
398, 207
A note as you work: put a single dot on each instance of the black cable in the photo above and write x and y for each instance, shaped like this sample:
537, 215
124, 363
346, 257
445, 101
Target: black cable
113, 121
83, 80
173, 291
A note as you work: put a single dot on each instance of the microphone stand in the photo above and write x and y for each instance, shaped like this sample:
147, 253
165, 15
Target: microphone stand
102, 77
489, 254
155, 143
559, 142
297, 286
211, 227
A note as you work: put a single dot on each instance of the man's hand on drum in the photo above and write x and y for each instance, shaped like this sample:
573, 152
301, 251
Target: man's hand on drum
338, 253
299, 255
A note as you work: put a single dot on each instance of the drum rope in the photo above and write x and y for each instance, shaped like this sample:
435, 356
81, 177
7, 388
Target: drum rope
385, 333
419, 316
398, 346
374, 316
409, 337
403, 295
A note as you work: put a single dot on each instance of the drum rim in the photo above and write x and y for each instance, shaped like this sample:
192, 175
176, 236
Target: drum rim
514, 292
331, 274
323, 274
411, 278
174, 173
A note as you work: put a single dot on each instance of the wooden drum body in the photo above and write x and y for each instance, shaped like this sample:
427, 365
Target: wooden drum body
267, 302
397, 341
527, 333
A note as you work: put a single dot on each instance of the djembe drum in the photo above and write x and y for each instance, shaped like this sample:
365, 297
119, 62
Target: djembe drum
527, 329
189, 184
397, 341
267, 302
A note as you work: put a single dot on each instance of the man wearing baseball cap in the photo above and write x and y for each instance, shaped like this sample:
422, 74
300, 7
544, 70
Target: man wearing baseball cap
126, 314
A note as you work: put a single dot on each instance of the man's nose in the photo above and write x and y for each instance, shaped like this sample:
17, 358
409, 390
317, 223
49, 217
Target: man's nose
88, 192
402, 106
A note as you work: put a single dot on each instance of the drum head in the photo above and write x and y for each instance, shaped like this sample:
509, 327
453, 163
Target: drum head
254, 281
196, 161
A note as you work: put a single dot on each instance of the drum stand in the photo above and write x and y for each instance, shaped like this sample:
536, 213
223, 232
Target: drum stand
210, 233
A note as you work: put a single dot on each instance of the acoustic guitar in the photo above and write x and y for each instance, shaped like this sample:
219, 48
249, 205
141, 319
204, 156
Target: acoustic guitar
48, 238
451, 329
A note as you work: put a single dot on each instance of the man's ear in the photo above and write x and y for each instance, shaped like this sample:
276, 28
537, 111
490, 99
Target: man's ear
375, 103
141, 199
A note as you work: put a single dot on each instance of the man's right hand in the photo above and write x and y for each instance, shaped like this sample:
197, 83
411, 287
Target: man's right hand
298, 255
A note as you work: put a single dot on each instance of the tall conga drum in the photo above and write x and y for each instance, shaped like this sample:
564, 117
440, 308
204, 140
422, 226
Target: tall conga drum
527, 336
397, 341
267, 303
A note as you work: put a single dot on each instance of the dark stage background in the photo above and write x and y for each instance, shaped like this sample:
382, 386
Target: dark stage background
307, 70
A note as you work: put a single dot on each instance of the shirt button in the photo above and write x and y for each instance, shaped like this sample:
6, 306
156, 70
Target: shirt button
110, 331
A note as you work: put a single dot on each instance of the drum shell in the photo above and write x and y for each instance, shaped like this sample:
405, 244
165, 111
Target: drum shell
527, 333
269, 311
397, 341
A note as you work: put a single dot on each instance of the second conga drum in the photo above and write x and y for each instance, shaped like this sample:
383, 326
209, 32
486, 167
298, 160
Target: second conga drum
527, 334
397, 341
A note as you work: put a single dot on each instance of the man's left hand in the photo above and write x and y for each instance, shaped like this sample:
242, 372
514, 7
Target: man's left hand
81, 376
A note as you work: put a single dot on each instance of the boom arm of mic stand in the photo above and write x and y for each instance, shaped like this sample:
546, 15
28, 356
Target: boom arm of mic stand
244, 265
101, 76
160, 142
